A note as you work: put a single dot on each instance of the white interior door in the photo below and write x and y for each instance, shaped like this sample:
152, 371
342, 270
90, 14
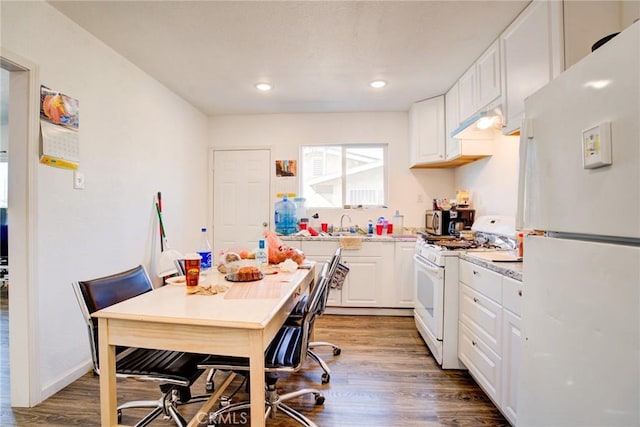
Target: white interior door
241, 187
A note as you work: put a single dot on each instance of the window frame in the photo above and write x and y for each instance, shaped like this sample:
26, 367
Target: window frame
343, 175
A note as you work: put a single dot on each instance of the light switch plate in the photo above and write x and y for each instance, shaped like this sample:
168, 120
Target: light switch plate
78, 180
596, 146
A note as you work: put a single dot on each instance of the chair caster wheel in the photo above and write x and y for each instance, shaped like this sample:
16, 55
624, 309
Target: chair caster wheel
325, 378
337, 351
319, 399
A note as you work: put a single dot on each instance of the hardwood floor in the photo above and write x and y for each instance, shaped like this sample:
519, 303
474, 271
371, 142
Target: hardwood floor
384, 377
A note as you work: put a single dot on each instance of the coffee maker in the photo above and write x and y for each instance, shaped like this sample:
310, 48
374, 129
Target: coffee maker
460, 219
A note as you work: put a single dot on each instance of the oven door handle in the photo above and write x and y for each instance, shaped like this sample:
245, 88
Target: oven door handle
427, 265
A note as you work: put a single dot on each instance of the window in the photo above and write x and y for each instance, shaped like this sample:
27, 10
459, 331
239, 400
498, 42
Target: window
338, 175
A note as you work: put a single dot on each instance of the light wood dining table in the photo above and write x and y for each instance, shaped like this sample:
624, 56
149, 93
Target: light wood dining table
229, 323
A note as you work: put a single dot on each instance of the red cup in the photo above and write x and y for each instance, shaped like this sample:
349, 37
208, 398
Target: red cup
303, 226
379, 229
324, 226
389, 228
192, 268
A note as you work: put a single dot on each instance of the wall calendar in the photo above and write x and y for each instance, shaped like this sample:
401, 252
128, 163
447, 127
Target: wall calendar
59, 123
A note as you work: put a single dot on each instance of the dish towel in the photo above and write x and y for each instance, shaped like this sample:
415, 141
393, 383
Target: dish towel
350, 242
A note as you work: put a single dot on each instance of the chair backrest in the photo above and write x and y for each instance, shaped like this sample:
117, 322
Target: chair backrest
317, 298
96, 294
328, 271
333, 263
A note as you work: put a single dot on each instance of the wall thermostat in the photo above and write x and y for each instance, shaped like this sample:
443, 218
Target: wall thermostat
596, 146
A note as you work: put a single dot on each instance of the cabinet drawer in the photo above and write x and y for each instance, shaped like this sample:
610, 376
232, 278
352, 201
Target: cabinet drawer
324, 249
485, 281
512, 295
482, 315
482, 362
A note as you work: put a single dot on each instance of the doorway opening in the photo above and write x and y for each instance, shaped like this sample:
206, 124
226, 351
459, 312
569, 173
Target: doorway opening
20, 103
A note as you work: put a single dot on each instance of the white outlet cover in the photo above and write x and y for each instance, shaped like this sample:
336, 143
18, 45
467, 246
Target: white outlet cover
78, 180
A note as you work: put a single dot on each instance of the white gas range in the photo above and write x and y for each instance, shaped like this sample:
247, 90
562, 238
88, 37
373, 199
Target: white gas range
436, 281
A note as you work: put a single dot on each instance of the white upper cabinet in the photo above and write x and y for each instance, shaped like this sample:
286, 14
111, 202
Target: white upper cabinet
426, 132
452, 121
532, 56
488, 70
481, 83
460, 152
467, 94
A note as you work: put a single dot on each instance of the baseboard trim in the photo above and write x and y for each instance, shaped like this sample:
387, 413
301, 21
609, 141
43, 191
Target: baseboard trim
64, 380
364, 311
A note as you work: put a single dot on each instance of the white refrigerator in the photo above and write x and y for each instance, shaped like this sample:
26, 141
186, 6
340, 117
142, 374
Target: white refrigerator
580, 184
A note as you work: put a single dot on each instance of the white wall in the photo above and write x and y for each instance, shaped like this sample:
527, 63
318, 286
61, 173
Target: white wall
493, 181
285, 133
137, 138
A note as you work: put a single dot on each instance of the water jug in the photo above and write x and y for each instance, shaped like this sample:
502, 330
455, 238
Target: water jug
285, 216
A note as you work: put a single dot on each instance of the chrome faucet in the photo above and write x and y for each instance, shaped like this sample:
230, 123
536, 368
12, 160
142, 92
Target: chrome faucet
342, 219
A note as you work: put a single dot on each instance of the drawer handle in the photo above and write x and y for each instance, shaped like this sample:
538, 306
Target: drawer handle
475, 299
519, 292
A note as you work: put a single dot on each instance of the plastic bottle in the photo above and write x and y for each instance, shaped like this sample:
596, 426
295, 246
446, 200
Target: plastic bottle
520, 249
204, 250
262, 254
398, 222
301, 210
285, 216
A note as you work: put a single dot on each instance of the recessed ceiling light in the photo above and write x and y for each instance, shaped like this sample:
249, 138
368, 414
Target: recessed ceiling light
264, 87
378, 84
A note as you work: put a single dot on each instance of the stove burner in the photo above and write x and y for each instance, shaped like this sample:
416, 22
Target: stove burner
453, 243
456, 244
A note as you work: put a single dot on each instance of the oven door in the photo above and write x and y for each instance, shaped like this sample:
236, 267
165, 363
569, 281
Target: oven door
429, 313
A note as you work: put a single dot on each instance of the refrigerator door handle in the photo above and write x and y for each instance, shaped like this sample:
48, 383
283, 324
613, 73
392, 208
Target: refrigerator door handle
526, 133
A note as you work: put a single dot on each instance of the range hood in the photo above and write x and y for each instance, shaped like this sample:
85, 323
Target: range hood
486, 124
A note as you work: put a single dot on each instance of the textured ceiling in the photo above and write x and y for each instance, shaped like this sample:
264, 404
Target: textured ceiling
319, 55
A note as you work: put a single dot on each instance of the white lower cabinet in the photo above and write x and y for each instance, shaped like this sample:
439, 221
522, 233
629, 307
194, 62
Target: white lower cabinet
512, 343
370, 282
481, 361
489, 339
403, 274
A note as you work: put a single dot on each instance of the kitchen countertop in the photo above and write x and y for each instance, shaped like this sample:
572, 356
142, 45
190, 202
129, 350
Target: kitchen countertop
513, 270
365, 238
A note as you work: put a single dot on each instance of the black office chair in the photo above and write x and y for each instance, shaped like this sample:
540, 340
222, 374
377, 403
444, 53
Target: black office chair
173, 371
334, 272
286, 353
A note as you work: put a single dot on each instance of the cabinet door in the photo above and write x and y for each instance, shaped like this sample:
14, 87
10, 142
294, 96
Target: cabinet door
512, 344
452, 121
488, 76
363, 285
403, 285
322, 252
467, 94
427, 131
531, 56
